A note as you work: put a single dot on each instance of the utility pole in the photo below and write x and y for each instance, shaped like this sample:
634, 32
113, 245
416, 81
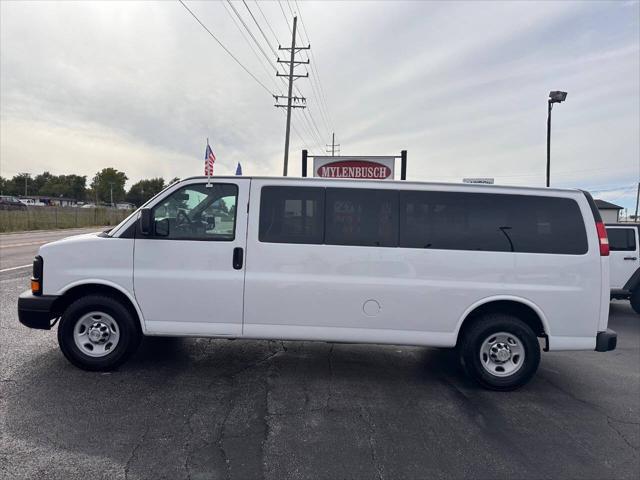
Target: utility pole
111, 190
290, 98
637, 201
333, 145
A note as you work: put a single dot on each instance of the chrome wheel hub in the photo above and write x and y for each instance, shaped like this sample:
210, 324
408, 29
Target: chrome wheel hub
502, 354
96, 334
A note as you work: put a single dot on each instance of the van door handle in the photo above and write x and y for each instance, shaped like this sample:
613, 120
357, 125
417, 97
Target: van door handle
630, 258
238, 253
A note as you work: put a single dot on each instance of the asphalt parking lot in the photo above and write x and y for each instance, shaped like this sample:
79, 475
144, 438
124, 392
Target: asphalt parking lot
220, 409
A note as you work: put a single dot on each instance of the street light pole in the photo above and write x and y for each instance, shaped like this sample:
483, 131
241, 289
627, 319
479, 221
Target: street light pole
554, 97
549, 142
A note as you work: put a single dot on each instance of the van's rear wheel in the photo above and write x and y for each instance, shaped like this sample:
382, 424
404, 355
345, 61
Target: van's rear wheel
500, 352
635, 300
97, 333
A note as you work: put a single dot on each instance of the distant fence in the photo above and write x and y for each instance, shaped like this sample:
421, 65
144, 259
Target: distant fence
49, 218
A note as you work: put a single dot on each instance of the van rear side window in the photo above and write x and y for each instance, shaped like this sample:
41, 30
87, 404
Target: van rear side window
292, 215
491, 222
365, 217
422, 219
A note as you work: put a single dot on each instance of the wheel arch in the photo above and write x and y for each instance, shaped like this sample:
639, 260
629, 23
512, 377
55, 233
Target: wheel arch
524, 309
76, 290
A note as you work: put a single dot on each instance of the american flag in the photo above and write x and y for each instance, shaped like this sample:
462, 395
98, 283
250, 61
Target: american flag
209, 160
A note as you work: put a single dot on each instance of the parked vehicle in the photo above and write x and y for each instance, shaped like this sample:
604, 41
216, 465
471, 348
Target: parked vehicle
31, 202
8, 202
624, 243
489, 270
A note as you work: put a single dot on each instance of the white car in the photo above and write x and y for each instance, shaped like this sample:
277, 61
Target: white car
624, 243
491, 270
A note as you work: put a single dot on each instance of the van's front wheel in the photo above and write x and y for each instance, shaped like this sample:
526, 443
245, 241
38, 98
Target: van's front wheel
97, 333
500, 352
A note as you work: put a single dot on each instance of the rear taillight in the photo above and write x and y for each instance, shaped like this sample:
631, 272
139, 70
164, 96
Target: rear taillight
603, 239
36, 279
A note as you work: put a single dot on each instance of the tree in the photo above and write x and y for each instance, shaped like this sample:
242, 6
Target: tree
143, 190
69, 186
39, 181
105, 182
3, 185
16, 186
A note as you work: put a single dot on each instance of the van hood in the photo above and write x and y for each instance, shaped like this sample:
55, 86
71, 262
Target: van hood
67, 242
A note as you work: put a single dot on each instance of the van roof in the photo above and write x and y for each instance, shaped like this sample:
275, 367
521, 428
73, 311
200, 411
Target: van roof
386, 182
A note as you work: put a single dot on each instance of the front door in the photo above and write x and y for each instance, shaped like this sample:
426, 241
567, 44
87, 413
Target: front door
189, 272
623, 256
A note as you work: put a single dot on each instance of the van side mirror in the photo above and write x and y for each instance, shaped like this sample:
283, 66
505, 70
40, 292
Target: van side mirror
145, 221
162, 227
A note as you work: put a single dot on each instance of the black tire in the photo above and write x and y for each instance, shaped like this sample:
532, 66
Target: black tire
126, 325
635, 300
481, 330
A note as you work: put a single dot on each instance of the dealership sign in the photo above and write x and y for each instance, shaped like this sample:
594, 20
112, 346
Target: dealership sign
366, 168
488, 181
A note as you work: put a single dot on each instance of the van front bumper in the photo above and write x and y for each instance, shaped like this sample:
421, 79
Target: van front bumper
606, 341
36, 311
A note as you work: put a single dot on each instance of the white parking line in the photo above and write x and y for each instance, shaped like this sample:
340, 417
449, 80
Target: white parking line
15, 268
24, 244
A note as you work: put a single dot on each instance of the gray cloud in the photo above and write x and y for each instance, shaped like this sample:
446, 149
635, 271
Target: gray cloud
461, 85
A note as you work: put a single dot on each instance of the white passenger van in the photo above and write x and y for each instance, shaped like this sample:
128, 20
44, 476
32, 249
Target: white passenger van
487, 269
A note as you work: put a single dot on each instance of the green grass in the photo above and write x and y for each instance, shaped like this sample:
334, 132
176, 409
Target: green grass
49, 218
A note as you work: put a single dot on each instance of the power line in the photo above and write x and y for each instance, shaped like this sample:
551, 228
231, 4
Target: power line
311, 123
255, 40
314, 70
316, 127
299, 92
267, 21
260, 29
250, 33
237, 60
255, 53
225, 48
278, 63
286, 20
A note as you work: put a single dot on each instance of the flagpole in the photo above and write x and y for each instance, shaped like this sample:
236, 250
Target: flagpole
207, 164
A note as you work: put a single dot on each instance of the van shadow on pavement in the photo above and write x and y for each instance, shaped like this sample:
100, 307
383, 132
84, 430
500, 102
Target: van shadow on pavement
200, 408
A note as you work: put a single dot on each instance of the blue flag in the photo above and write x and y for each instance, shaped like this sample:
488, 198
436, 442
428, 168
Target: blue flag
239, 169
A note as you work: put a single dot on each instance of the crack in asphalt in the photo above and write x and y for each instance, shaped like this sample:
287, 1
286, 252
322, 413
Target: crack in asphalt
221, 438
366, 417
219, 441
134, 451
610, 423
330, 384
591, 405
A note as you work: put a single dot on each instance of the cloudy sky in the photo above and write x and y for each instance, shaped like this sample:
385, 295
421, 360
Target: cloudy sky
461, 85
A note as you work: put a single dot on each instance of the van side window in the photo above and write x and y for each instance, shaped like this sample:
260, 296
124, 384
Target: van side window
292, 215
361, 217
491, 222
621, 239
197, 212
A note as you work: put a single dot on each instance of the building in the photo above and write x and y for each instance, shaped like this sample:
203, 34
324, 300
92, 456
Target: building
610, 212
